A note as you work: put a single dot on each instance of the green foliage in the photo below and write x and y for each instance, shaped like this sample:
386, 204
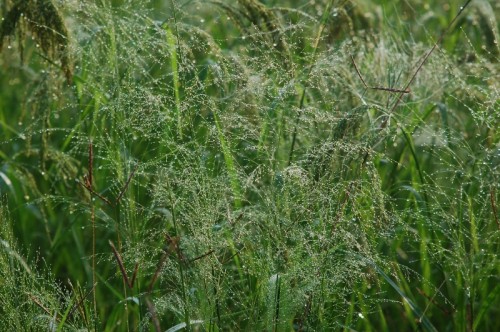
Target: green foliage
249, 165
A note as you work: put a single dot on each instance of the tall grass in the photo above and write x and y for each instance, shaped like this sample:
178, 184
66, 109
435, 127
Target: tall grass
249, 165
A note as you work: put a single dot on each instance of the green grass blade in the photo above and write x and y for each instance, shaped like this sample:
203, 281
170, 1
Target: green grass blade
486, 305
172, 47
413, 306
230, 164
183, 325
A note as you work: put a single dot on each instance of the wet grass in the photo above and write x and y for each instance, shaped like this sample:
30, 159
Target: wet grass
246, 165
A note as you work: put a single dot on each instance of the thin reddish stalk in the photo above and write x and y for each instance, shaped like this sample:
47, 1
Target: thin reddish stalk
422, 63
407, 90
494, 207
118, 258
124, 189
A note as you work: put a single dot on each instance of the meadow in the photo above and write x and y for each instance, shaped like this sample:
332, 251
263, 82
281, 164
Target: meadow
272, 165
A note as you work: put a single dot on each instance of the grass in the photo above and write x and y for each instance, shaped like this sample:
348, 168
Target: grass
244, 165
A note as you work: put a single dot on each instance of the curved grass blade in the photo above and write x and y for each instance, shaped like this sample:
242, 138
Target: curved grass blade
427, 325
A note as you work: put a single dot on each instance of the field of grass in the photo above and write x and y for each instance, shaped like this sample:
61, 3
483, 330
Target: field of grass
245, 165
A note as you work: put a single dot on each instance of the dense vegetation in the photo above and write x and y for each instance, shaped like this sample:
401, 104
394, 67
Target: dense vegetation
242, 165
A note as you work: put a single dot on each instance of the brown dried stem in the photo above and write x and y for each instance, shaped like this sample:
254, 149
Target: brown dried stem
124, 189
494, 207
119, 260
417, 70
407, 90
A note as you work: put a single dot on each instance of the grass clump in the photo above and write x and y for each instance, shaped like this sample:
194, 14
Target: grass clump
249, 165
